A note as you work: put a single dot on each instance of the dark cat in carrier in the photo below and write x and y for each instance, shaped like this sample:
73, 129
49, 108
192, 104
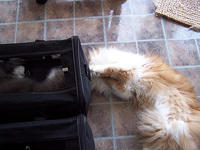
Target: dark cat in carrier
13, 79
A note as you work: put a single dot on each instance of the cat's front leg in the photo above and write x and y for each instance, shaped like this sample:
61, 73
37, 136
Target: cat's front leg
108, 70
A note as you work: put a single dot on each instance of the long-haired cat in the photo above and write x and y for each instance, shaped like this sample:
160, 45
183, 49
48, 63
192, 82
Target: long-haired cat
167, 109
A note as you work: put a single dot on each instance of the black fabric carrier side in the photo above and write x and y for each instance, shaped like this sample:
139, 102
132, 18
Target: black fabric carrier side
64, 134
48, 120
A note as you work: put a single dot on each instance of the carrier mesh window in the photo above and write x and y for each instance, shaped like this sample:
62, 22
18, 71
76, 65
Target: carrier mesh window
36, 74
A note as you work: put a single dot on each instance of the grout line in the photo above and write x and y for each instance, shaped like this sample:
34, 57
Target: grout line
45, 22
53, 20
60, 19
7, 0
134, 41
150, 40
16, 24
135, 15
7, 23
112, 118
115, 137
90, 17
183, 39
114, 16
119, 42
166, 42
74, 16
104, 24
66, 19
198, 49
135, 35
186, 67
93, 43
33, 21
113, 125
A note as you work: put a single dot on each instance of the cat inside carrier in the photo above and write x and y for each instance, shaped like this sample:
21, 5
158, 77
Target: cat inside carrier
44, 96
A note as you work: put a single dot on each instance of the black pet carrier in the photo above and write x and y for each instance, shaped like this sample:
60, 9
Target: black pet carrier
47, 119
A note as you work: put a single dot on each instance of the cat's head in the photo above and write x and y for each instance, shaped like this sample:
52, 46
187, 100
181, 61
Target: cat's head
107, 77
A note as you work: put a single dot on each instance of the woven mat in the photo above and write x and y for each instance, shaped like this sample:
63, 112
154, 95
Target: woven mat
183, 11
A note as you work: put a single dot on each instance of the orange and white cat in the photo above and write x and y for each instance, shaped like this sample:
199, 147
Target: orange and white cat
167, 109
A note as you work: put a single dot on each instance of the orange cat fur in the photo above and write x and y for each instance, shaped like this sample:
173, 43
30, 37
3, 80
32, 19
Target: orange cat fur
167, 109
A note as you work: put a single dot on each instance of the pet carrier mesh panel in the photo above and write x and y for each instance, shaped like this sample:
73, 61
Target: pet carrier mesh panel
52, 119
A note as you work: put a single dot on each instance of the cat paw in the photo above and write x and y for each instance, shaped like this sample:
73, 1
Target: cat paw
96, 70
94, 74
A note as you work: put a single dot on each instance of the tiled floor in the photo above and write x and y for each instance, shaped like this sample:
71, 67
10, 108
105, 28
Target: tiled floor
130, 25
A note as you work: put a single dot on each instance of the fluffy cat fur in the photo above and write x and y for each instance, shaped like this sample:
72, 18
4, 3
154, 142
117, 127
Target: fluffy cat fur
13, 81
167, 109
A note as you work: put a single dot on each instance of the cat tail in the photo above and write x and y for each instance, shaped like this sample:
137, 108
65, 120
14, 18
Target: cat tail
155, 133
194, 126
